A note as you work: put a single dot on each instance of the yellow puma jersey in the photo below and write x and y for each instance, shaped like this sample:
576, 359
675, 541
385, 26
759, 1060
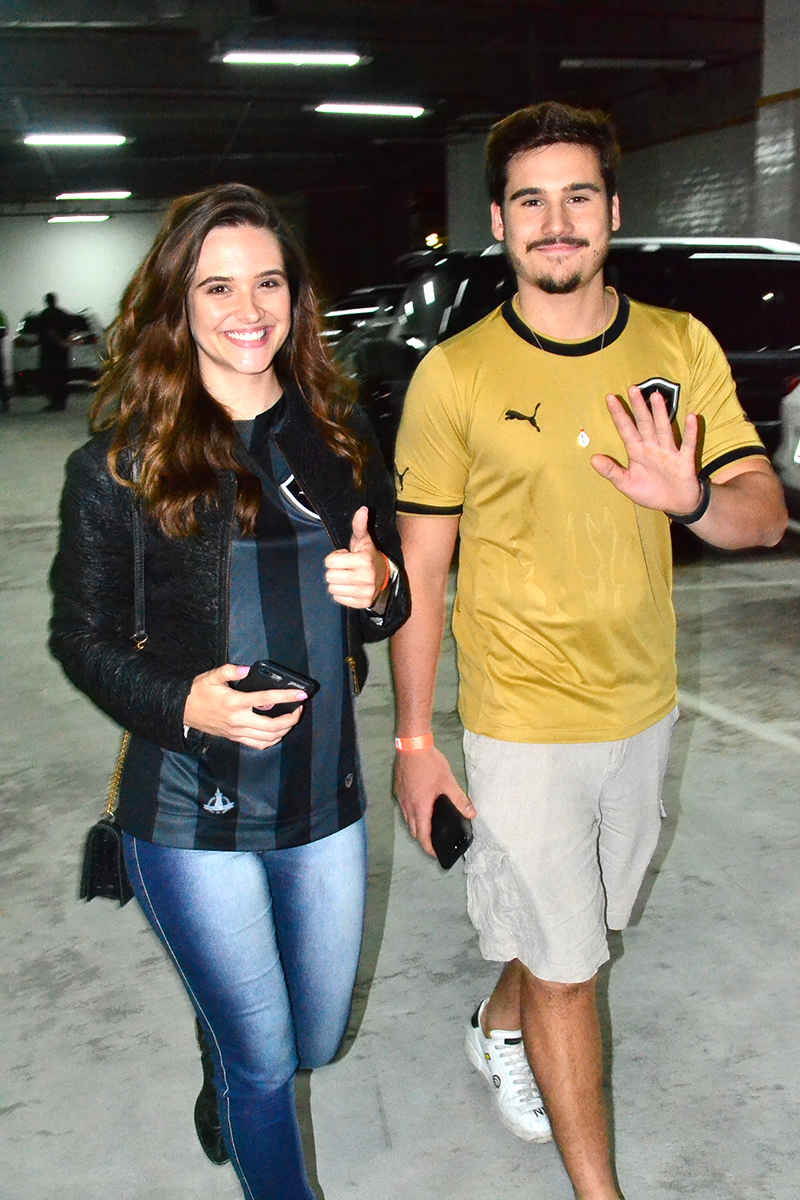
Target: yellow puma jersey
563, 615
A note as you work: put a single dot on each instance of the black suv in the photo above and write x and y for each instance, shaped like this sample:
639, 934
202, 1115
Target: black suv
746, 292
366, 306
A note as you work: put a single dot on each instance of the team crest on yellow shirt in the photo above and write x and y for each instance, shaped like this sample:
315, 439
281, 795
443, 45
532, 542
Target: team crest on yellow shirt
669, 390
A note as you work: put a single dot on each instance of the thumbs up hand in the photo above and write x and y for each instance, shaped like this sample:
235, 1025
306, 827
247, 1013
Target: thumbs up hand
355, 577
360, 539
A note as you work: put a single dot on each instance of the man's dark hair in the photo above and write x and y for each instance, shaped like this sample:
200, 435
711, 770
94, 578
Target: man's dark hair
50, 299
544, 125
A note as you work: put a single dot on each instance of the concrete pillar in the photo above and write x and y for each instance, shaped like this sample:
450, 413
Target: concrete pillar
468, 224
778, 124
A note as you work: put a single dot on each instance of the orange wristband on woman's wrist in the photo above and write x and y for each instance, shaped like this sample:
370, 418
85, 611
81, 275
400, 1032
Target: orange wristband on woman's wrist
421, 742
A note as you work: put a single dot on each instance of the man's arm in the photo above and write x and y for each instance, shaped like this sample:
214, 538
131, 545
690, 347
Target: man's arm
746, 505
421, 775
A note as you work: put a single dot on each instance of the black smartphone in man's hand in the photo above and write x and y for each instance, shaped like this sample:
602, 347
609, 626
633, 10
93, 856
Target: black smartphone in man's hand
451, 832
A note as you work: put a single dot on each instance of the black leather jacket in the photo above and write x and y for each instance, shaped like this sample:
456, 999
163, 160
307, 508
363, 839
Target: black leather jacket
187, 579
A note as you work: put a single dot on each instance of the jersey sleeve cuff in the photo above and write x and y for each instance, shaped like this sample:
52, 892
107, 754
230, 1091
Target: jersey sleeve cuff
434, 510
724, 460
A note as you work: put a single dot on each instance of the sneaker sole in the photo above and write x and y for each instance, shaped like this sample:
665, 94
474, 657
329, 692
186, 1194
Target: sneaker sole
479, 1063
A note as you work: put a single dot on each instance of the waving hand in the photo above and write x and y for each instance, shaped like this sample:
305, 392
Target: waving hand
660, 474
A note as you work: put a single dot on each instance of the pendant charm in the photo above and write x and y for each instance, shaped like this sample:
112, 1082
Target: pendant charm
583, 438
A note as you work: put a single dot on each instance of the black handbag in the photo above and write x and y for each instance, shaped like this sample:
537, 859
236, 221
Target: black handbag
103, 872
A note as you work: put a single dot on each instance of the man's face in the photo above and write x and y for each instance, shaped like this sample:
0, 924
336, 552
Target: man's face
556, 220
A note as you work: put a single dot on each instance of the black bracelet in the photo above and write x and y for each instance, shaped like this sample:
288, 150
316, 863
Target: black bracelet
700, 511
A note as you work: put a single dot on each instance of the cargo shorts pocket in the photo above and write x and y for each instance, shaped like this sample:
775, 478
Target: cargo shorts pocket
495, 901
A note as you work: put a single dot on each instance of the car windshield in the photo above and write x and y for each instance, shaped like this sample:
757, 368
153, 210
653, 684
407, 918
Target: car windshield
750, 304
420, 313
490, 282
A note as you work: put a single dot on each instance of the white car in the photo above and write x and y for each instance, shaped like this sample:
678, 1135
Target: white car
86, 352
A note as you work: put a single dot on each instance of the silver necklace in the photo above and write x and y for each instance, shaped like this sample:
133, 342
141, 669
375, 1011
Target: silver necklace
583, 437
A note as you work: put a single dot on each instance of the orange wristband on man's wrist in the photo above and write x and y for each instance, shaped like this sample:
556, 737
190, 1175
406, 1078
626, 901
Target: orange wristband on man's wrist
388, 574
421, 742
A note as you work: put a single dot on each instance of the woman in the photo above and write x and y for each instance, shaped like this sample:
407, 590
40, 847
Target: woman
268, 533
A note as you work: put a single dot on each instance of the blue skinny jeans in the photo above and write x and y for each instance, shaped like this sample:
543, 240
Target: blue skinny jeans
267, 946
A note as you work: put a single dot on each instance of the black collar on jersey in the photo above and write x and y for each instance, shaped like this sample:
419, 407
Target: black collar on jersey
569, 349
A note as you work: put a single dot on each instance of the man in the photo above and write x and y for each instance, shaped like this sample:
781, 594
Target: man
515, 435
53, 327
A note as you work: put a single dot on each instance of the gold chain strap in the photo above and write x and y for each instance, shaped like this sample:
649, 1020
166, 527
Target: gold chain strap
139, 638
113, 786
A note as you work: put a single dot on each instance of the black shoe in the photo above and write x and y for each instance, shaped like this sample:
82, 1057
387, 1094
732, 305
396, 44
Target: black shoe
206, 1109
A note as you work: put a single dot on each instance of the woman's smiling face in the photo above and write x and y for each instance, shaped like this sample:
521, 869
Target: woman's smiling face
239, 309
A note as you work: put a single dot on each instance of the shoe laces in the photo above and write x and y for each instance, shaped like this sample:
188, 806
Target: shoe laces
512, 1055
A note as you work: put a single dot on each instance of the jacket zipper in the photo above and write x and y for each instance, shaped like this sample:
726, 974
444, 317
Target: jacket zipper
349, 657
351, 662
226, 567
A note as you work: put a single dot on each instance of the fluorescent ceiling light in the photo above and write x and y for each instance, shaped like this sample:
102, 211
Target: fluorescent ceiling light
74, 139
632, 64
293, 58
75, 217
93, 196
372, 110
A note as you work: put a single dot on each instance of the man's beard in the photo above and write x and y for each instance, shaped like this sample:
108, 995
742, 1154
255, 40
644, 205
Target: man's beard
548, 283
559, 287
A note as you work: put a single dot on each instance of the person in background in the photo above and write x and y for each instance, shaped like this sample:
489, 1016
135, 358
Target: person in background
559, 437
53, 328
269, 533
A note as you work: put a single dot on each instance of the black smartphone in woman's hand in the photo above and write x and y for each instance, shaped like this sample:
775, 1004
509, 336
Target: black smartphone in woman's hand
266, 675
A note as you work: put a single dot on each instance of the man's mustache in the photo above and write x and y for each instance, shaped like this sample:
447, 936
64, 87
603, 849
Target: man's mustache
556, 241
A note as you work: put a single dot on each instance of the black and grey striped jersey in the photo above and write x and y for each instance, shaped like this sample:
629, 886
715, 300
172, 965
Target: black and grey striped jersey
309, 785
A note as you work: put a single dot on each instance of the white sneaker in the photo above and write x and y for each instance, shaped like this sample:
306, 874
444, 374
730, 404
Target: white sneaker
501, 1058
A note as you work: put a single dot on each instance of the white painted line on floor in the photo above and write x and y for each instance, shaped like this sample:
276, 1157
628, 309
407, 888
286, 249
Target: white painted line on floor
725, 716
744, 583
23, 526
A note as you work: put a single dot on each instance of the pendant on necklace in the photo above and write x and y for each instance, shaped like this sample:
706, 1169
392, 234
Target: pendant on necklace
583, 438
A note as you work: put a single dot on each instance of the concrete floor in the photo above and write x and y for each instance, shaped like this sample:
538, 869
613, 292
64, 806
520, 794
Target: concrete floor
99, 1071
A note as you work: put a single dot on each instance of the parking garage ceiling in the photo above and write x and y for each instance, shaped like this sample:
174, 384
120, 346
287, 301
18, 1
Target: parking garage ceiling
151, 70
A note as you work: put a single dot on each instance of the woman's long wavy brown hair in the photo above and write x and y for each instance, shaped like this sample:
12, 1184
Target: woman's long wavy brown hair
151, 389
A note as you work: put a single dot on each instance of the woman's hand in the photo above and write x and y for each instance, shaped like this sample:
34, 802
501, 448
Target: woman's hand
355, 577
213, 707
